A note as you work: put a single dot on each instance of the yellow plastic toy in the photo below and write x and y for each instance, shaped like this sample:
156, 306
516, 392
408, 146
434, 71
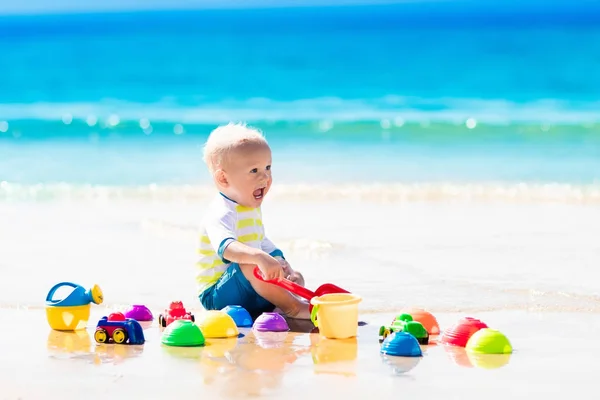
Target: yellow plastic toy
217, 324
73, 312
489, 341
336, 315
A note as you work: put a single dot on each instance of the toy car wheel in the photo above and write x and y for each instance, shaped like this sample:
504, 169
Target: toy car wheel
385, 332
192, 318
119, 336
424, 340
161, 321
101, 336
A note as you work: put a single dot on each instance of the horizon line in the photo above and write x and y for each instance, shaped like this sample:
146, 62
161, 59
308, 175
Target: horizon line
454, 6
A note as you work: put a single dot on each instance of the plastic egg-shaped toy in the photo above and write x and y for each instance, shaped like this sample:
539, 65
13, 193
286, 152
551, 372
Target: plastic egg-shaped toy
459, 334
217, 324
489, 341
271, 322
139, 312
182, 333
240, 316
401, 344
425, 318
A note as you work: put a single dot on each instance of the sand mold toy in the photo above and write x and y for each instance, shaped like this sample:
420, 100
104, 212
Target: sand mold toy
489, 341
183, 333
240, 316
401, 344
217, 324
461, 332
425, 318
139, 312
270, 322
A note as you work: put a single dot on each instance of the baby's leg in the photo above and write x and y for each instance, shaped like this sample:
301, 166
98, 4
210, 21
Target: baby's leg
281, 298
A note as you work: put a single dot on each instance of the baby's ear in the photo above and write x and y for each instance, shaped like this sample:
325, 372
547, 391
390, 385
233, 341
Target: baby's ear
221, 178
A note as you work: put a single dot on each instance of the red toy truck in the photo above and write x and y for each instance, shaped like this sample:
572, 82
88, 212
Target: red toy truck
176, 311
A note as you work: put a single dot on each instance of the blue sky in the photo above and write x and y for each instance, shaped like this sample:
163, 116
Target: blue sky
59, 6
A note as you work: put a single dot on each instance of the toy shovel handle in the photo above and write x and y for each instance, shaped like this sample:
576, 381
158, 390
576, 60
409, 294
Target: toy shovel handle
286, 284
58, 285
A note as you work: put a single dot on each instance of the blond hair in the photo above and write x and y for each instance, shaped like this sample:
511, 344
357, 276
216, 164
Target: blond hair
226, 138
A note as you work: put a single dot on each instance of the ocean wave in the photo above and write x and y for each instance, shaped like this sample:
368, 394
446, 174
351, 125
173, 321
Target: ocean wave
396, 110
378, 193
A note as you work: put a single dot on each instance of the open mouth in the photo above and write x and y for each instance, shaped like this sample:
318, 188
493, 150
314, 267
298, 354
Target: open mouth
259, 193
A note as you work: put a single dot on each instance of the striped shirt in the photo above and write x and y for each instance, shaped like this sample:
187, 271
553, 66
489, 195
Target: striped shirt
224, 222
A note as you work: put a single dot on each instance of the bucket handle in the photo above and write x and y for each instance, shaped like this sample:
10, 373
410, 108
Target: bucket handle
58, 285
313, 315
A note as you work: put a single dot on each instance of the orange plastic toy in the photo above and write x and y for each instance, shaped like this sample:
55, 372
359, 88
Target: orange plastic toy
425, 318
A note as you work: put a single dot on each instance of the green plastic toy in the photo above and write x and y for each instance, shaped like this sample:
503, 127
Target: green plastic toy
182, 333
489, 341
405, 323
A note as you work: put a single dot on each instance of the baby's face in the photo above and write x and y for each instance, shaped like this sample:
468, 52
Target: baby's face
248, 173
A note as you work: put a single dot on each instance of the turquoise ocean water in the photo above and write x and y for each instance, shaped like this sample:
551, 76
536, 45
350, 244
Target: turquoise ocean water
365, 94
382, 103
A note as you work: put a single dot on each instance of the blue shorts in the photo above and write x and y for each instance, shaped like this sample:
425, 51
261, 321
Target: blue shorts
233, 289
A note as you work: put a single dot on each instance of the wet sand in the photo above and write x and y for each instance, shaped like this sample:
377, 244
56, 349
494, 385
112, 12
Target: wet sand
553, 354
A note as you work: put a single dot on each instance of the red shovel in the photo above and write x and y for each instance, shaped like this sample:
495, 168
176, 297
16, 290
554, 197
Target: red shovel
301, 291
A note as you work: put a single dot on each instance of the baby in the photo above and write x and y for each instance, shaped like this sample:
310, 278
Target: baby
233, 239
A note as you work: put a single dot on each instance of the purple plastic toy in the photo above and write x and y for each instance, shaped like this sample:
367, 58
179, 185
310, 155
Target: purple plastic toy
139, 313
271, 322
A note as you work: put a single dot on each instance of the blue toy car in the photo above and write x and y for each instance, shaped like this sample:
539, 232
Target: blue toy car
118, 329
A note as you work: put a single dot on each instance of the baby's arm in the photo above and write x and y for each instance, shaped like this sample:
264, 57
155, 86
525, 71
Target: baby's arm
243, 254
269, 247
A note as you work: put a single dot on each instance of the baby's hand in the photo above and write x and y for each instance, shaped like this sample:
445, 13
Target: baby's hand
289, 273
287, 269
270, 268
296, 277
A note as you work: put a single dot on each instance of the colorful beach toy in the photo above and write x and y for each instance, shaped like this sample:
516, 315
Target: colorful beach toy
401, 344
301, 291
405, 323
183, 333
217, 324
459, 334
336, 315
270, 322
175, 312
118, 329
489, 341
240, 316
72, 312
425, 318
139, 312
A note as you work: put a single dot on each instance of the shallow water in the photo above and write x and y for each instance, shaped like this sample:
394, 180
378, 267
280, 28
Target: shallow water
546, 361
477, 255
